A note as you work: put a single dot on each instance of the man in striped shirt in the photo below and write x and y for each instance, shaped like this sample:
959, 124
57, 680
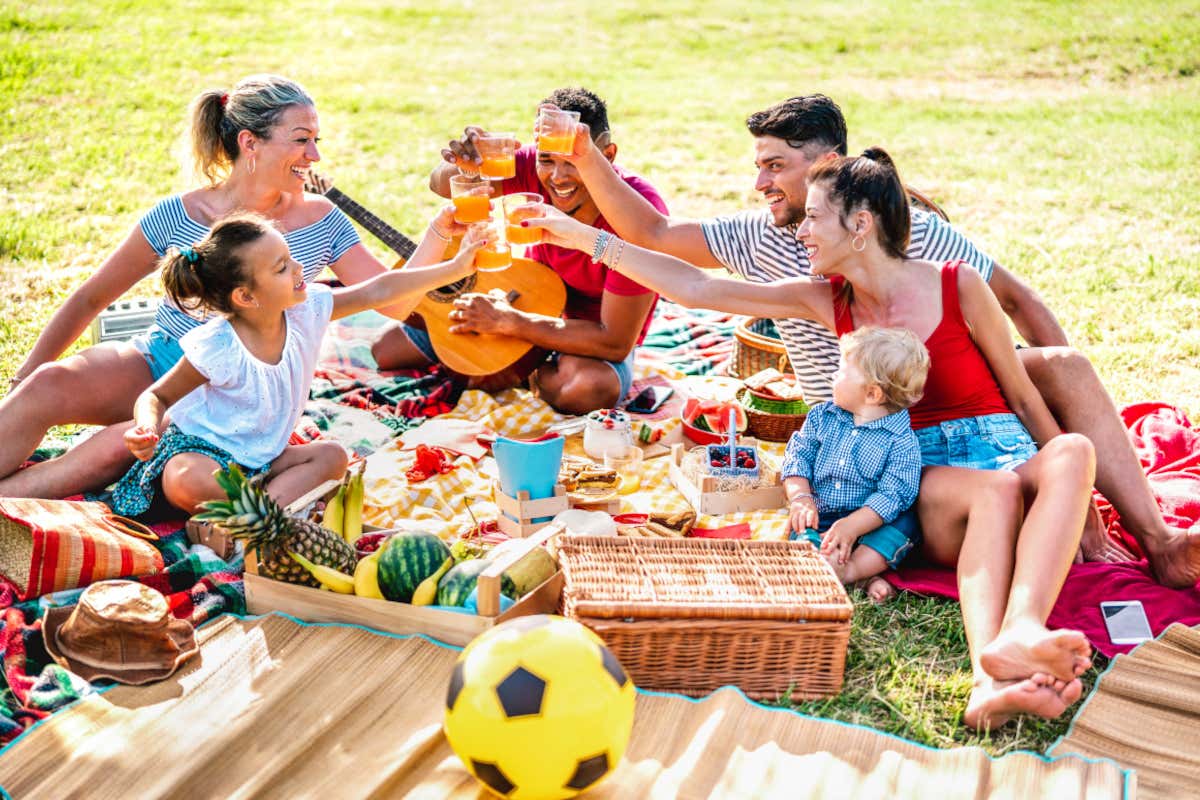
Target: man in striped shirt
761, 246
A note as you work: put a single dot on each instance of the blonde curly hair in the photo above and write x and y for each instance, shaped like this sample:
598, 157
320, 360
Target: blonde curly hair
893, 359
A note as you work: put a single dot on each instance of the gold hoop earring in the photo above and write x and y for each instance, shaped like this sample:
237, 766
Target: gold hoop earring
862, 243
251, 164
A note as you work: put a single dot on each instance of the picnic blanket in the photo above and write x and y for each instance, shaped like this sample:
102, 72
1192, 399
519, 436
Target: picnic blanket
1169, 450
1144, 713
366, 734
197, 584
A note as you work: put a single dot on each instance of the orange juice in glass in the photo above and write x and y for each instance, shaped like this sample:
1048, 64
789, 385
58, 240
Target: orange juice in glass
496, 254
498, 151
519, 206
470, 197
555, 130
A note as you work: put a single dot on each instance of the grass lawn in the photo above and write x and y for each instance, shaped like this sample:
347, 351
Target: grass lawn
1063, 137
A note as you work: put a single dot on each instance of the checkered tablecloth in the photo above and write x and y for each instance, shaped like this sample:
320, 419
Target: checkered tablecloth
439, 504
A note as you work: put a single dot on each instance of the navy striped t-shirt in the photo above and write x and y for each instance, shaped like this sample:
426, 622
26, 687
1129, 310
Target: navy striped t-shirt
750, 244
315, 246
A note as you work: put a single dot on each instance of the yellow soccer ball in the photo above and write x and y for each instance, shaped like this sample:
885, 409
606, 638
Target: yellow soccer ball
539, 708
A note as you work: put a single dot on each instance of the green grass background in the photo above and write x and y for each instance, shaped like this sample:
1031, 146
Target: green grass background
1063, 137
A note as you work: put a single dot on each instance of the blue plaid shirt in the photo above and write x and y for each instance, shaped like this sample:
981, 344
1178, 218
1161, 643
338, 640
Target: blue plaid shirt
877, 465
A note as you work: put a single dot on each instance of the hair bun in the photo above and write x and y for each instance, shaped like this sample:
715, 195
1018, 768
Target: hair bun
879, 156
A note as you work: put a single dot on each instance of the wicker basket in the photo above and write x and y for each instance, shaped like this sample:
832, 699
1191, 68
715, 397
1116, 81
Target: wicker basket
757, 346
767, 426
692, 615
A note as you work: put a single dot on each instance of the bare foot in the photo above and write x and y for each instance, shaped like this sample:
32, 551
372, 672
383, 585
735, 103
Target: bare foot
1097, 545
1176, 563
992, 704
879, 590
1021, 652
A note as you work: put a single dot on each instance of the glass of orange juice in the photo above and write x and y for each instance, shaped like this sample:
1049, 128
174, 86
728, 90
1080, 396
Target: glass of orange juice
519, 206
496, 254
470, 194
555, 130
498, 151
626, 462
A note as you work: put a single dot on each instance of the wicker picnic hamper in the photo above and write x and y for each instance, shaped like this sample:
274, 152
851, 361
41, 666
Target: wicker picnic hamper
692, 615
772, 420
757, 346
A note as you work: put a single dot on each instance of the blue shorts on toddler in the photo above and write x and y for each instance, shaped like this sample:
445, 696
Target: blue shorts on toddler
892, 540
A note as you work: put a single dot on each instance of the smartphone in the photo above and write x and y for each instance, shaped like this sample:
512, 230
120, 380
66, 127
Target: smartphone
1126, 621
649, 400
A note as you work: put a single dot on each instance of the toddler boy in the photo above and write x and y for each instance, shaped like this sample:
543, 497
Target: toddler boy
852, 471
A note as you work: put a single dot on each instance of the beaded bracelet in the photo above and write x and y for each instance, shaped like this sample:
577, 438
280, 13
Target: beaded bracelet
616, 259
600, 246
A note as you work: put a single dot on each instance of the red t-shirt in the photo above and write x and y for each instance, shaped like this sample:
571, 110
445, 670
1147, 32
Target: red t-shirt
586, 282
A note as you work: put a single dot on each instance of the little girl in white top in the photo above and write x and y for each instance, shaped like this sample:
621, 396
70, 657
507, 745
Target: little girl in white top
240, 388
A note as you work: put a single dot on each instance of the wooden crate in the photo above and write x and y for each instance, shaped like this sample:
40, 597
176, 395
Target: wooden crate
518, 513
264, 595
705, 498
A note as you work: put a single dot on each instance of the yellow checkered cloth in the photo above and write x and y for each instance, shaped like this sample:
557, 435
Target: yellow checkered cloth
439, 504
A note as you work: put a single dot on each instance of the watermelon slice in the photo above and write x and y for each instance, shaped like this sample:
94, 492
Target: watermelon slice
713, 416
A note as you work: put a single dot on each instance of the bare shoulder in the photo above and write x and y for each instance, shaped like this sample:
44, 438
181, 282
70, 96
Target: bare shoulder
309, 208
204, 204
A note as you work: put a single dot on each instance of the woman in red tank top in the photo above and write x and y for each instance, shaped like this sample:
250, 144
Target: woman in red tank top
1013, 528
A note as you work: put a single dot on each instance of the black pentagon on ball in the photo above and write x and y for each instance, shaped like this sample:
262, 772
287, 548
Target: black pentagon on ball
456, 685
492, 776
588, 772
520, 693
612, 666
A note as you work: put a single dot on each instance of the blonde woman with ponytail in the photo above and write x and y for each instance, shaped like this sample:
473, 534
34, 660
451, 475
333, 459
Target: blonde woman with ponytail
251, 146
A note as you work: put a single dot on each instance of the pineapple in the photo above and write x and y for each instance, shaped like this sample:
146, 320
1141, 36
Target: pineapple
252, 516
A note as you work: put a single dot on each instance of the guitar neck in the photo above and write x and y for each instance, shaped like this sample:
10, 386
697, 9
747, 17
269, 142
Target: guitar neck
397, 241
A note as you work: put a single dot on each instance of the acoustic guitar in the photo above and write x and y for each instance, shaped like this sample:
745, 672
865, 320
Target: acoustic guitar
492, 361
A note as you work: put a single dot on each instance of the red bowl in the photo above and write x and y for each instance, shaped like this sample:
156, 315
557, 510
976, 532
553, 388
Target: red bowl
701, 436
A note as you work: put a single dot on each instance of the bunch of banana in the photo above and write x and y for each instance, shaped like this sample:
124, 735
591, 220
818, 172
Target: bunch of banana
343, 512
328, 577
366, 577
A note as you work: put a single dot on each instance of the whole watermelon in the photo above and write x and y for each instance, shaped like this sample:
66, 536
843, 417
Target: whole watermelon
407, 558
456, 585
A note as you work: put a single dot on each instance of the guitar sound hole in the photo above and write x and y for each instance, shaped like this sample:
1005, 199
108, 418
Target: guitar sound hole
449, 292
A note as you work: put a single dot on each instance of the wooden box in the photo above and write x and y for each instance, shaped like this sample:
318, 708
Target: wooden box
211, 535
517, 514
705, 498
264, 595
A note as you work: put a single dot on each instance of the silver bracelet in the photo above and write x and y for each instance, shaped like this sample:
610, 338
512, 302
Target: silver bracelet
799, 495
433, 229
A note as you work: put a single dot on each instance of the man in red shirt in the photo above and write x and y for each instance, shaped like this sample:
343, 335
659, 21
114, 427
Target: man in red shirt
607, 314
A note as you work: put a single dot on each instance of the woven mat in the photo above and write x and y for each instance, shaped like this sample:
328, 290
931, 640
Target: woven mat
1145, 713
277, 708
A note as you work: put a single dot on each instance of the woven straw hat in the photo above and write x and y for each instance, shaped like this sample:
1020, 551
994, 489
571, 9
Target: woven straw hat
120, 630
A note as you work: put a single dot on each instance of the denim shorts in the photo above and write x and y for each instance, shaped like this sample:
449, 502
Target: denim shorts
991, 442
892, 540
624, 369
160, 349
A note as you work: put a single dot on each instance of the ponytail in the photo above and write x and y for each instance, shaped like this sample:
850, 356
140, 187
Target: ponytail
216, 117
203, 277
870, 181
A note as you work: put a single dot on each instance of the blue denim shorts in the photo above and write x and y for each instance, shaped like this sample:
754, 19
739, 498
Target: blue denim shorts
991, 442
893, 540
624, 369
160, 349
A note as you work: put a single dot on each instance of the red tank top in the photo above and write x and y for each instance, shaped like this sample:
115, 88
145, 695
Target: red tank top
960, 382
